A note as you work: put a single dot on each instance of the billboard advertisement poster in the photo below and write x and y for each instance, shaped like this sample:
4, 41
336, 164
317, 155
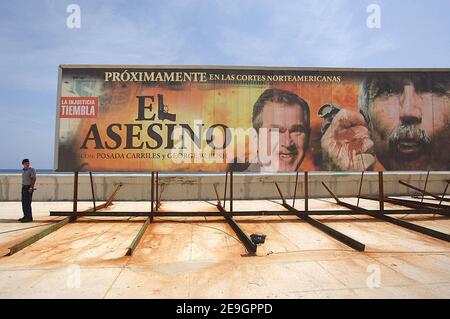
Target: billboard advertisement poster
252, 119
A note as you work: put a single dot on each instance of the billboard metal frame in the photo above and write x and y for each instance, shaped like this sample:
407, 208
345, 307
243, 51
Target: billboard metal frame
415, 207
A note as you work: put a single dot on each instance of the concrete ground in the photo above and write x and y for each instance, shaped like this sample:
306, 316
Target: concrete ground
202, 258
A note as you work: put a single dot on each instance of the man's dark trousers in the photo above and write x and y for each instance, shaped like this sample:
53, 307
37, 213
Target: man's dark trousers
26, 202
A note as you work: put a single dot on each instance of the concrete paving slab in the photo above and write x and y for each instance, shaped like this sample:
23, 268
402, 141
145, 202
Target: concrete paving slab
201, 257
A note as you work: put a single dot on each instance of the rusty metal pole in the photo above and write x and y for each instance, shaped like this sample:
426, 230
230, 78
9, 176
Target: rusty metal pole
381, 191
331, 193
360, 187
281, 194
217, 195
225, 190
152, 193
75, 198
92, 191
306, 192
295, 189
425, 187
157, 191
438, 197
444, 193
231, 192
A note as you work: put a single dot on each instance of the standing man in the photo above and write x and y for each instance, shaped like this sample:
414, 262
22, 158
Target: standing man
28, 181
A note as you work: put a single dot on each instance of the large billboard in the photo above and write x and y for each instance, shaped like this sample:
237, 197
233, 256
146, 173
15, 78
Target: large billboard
254, 119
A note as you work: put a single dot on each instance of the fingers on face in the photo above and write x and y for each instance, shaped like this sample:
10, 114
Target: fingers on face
347, 119
360, 131
346, 126
367, 146
356, 154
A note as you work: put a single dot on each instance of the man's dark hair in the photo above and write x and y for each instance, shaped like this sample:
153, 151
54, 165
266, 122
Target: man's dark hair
26, 160
278, 96
384, 84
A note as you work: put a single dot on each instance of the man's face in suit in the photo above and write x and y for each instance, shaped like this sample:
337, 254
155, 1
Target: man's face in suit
290, 123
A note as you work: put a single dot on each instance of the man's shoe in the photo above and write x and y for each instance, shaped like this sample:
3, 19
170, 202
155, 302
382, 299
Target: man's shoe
26, 220
20, 219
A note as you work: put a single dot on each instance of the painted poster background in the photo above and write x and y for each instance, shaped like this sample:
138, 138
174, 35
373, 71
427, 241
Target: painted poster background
416, 102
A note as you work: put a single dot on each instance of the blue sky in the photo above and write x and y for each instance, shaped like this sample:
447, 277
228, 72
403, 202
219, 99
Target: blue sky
34, 40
